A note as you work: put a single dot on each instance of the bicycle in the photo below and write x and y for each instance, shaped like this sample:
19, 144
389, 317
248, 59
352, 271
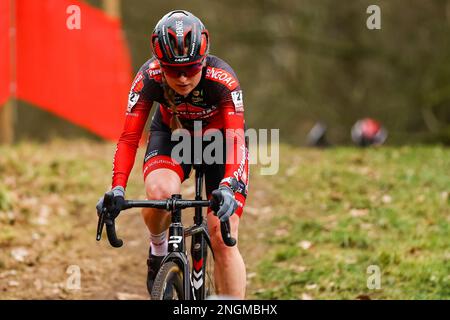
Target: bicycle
171, 281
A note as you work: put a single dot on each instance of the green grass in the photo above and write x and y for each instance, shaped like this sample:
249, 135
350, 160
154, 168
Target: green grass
387, 207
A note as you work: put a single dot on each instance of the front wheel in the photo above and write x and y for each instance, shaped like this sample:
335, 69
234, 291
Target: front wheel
168, 283
210, 286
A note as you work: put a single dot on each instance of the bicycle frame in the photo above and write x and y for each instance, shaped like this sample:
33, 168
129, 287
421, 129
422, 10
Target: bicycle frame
199, 235
194, 286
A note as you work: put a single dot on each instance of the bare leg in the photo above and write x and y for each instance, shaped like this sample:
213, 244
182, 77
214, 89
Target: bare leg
159, 185
229, 268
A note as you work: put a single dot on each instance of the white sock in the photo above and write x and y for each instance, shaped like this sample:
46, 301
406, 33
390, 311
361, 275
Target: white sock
159, 243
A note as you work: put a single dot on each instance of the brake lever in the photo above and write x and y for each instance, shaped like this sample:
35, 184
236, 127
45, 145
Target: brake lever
225, 229
101, 223
106, 219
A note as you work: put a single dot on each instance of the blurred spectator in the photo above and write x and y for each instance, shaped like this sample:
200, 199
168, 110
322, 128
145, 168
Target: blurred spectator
367, 132
317, 136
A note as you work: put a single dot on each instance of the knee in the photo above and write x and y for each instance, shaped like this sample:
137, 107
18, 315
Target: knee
161, 186
221, 250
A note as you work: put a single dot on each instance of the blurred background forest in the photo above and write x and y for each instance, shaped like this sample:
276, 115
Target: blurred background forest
318, 223
304, 61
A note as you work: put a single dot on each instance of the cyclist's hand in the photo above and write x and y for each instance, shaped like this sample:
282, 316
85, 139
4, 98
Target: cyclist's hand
226, 201
118, 201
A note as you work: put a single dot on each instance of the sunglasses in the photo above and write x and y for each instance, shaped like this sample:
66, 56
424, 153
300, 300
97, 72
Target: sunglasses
177, 71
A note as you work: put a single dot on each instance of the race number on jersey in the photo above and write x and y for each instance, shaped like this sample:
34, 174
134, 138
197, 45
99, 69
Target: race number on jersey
133, 98
238, 101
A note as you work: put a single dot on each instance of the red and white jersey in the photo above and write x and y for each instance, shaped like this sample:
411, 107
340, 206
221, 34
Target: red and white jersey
217, 102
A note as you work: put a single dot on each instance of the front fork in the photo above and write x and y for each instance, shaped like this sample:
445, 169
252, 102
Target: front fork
199, 257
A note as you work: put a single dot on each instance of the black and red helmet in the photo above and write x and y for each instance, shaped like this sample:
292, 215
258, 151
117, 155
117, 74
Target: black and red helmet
180, 38
366, 132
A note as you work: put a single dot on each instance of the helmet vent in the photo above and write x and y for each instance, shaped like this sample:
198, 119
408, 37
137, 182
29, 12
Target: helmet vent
187, 43
174, 44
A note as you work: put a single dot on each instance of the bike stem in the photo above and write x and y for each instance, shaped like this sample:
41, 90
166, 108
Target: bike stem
176, 236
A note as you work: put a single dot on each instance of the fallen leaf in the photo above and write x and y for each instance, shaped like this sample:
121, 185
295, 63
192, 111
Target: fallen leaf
44, 213
356, 213
305, 245
386, 199
29, 202
281, 232
13, 283
365, 170
10, 216
8, 273
35, 236
56, 291
19, 254
420, 198
311, 286
299, 269
306, 296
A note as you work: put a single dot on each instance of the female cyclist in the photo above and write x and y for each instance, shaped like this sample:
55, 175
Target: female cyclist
189, 85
